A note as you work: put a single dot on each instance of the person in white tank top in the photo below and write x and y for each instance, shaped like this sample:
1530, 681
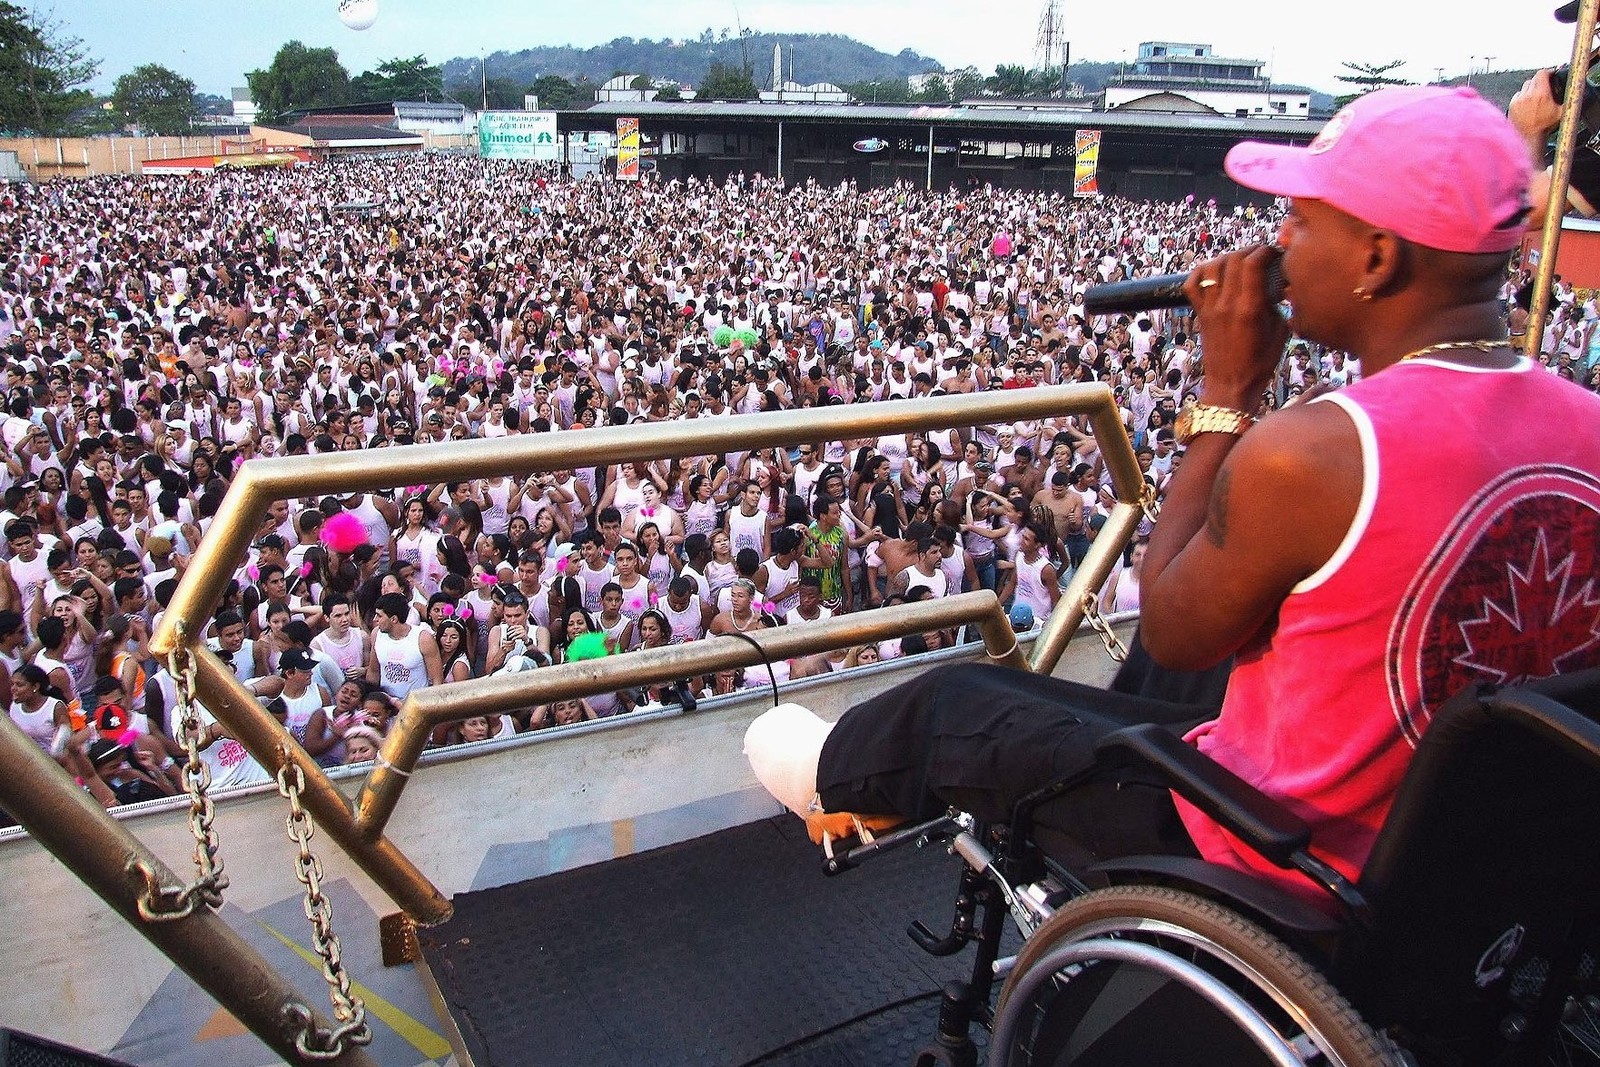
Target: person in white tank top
404, 657
687, 615
1033, 578
747, 523
379, 521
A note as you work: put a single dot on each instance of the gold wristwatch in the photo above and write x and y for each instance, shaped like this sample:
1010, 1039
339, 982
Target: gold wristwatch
1196, 419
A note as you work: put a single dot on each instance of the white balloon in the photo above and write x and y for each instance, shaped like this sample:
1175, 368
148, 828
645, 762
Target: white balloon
358, 14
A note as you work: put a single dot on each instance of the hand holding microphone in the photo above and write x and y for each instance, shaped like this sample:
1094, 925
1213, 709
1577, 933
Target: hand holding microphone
1161, 291
1243, 334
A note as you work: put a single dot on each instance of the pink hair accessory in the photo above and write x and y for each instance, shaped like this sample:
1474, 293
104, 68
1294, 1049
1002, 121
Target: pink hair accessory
648, 513
447, 610
561, 565
254, 572
768, 607
128, 737
489, 579
305, 569
466, 612
343, 532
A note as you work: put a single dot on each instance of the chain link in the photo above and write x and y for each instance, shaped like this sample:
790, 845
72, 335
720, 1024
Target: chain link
160, 903
349, 1012
1114, 646
1149, 502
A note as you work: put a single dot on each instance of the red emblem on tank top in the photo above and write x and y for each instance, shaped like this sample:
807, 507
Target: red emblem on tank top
1511, 592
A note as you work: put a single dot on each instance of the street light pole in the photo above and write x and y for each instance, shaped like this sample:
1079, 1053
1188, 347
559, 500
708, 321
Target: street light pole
483, 78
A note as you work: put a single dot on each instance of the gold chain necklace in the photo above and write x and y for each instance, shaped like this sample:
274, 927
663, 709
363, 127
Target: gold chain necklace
1486, 345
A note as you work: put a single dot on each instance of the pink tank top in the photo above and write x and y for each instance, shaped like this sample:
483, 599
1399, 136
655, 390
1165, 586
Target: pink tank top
1472, 558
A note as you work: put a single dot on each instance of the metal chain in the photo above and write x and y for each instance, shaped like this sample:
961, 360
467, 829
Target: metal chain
349, 1012
1114, 646
160, 903
1149, 502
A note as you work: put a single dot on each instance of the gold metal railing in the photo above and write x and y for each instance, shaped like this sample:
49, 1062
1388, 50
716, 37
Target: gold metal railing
105, 857
359, 828
1560, 174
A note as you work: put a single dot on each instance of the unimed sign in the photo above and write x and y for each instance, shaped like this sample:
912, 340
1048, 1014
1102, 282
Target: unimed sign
518, 135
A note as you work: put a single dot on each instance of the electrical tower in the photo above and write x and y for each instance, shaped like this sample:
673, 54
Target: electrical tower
1051, 48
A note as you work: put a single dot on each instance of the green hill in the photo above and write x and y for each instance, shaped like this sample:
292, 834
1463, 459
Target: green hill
817, 57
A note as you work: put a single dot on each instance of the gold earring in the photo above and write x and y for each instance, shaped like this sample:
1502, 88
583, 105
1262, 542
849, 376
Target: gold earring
1360, 293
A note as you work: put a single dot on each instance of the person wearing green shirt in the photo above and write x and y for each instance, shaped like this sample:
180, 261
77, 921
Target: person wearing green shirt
826, 555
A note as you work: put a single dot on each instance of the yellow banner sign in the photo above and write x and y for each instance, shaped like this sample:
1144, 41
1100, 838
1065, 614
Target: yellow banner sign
628, 150
1086, 180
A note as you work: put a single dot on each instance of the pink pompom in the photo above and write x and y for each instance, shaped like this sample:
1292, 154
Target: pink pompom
254, 572
128, 737
305, 569
344, 532
447, 610
466, 612
499, 367
561, 565
768, 607
489, 579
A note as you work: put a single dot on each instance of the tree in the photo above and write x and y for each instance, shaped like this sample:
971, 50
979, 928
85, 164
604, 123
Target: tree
554, 91
1010, 79
642, 83
880, 91
669, 92
967, 82
42, 71
399, 79
1370, 76
299, 77
726, 82
933, 93
155, 99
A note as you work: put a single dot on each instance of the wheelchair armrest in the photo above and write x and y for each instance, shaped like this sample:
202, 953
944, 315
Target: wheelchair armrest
1267, 827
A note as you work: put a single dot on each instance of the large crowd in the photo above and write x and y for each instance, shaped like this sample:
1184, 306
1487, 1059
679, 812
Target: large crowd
159, 333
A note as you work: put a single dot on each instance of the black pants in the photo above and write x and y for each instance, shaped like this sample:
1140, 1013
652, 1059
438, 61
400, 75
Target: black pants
980, 738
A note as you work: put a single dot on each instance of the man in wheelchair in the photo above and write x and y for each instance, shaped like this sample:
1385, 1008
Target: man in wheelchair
1361, 558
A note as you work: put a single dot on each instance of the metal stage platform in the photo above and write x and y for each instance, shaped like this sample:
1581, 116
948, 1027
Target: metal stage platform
732, 949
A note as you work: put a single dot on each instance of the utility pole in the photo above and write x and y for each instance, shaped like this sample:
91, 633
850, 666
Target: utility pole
1488, 64
483, 78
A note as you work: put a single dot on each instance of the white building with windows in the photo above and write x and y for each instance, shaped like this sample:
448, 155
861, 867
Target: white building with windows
1176, 77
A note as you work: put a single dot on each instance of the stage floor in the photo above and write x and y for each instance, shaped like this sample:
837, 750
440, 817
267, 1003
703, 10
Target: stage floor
730, 949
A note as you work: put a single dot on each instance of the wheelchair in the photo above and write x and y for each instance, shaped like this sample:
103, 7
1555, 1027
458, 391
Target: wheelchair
1469, 939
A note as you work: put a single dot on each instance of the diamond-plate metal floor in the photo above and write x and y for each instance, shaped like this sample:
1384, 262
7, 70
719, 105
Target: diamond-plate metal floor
728, 950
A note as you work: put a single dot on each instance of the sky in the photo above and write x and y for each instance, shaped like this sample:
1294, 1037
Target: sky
213, 42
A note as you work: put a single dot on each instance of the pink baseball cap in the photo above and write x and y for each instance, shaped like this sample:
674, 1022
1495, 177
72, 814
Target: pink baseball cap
1439, 166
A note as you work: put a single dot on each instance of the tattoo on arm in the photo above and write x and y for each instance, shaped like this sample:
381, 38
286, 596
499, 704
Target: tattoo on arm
1217, 509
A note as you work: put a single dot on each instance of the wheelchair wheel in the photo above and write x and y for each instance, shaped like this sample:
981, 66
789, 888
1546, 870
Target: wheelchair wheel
1150, 1011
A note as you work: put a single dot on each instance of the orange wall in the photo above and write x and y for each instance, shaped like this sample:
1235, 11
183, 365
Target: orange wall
1577, 257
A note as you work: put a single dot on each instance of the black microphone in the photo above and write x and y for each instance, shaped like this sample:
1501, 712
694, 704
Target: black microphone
1161, 291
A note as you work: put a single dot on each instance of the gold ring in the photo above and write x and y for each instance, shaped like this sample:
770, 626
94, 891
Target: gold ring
1206, 283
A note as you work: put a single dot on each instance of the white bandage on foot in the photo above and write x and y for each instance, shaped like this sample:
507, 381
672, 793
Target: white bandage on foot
783, 746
